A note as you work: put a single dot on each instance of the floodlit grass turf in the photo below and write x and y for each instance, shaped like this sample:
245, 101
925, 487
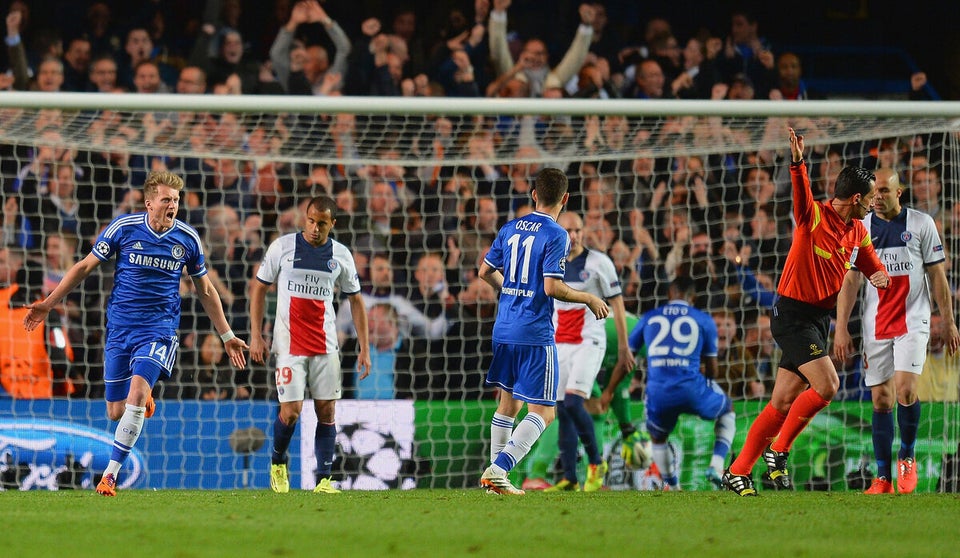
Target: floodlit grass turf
429, 523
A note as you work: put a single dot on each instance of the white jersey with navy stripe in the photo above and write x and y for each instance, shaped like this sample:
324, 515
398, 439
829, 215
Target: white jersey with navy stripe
307, 277
146, 286
906, 245
591, 272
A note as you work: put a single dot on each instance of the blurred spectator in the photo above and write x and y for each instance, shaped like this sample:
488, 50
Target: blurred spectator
303, 69
206, 374
699, 73
49, 75
745, 52
789, 81
30, 368
192, 81
76, 65
769, 240
59, 209
16, 52
460, 360
146, 78
101, 30
762, 350
479, 227
741, 88
103, 74
940, 380
396, 370
736, 372
925, 188
533, 66
138, 48
382, 289
649, 82
430, 293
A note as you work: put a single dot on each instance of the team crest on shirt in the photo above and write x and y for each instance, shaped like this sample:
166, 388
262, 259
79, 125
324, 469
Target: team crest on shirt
584, 275
332, 264
906, 236
177, 251
103, 248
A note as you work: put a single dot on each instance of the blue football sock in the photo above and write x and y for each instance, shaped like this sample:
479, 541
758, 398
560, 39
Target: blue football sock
908, 418
567, 441
883, 442
584, 424
325, 445
281, 440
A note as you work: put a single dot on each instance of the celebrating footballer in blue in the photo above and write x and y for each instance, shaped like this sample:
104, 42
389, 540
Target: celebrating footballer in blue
153, 250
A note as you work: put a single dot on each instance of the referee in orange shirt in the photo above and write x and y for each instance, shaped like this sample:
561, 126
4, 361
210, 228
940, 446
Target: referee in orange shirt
829, 239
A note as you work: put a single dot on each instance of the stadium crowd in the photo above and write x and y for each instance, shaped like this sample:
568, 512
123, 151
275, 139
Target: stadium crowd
418, 232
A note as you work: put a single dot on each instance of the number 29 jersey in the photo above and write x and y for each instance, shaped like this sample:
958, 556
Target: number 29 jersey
526, 251
676, 335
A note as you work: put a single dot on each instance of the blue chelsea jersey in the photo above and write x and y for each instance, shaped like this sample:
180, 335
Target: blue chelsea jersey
146, 289
676, 335
526, 251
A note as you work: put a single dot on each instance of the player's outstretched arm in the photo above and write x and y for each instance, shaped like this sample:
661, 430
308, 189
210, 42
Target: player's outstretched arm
214, 309
76, 274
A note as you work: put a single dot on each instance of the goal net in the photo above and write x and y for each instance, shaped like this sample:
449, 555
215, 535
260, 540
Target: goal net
422, 185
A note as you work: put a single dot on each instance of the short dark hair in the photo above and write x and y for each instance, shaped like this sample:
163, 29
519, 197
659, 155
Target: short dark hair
323, 204
551, 185
853, 180
684, 285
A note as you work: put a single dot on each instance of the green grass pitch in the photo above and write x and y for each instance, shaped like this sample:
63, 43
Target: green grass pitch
428, 523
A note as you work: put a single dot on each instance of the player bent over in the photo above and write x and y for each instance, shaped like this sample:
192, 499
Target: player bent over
678, 338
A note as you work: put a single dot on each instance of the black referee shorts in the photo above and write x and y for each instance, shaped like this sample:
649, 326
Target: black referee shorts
801, 330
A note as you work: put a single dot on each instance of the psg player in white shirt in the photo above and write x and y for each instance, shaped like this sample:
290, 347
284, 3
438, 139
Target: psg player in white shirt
897, 327
307, 267
581, 344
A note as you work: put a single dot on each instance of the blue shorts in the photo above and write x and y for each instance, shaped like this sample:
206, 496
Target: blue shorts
528, 372
664, 405
144, 352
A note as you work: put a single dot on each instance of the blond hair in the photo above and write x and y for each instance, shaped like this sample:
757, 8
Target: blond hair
160, 178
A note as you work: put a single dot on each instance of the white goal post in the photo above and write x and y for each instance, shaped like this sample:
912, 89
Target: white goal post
664, 187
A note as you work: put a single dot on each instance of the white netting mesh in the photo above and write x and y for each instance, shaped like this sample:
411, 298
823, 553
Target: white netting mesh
661, 193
